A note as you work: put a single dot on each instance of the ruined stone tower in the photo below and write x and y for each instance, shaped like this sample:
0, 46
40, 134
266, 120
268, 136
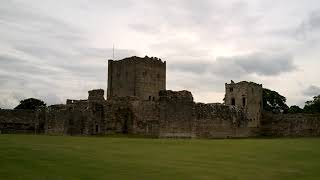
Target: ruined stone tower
246, 95
96, 95
135, 76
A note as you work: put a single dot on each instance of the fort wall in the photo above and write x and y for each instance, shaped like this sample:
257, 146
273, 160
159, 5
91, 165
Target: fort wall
138, 103
177, 114
147, 115
221, 121
18, 121
290, 125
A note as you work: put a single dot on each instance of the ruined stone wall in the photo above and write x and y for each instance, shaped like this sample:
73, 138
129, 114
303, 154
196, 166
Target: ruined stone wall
71, 119
18, 121
290, 125
221, 121
246, 95
146, 121
135, 76
118, 115
96, 95
130, 115
177, 114
56, 117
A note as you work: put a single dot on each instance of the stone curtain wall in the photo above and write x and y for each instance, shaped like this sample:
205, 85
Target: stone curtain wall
220, 121
177, 114
56, 117
119, 115
290, 125
129, 115
18, 121
146, 121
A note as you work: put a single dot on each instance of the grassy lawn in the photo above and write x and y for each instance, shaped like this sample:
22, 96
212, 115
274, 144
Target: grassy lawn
58, 157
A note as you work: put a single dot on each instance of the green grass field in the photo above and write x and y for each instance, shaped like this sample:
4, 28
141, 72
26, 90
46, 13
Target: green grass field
58, 157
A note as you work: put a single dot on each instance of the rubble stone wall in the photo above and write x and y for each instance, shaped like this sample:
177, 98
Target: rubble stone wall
290, 125
146, 121
18, 121
177, 114
220, 121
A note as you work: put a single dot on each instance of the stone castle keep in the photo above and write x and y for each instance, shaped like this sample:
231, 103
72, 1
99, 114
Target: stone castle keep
138, 103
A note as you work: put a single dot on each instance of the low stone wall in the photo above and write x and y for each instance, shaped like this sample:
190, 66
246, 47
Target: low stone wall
18, 121
290, 125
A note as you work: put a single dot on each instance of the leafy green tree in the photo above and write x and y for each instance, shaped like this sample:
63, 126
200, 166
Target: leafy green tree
295, 109
30, 103
274, 102
313, 106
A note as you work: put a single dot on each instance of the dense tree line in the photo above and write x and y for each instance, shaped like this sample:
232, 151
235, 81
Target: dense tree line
274, 102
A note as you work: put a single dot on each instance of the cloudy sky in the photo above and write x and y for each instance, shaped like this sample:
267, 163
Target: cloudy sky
57, 49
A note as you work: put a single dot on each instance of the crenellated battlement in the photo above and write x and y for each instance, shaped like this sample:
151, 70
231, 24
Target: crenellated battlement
136, 59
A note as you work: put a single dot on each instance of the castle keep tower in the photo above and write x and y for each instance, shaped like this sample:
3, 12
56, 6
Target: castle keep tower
135, 76
246, 95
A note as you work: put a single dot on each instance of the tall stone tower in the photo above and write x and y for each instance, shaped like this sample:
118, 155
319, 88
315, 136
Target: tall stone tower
135, 76
246, 95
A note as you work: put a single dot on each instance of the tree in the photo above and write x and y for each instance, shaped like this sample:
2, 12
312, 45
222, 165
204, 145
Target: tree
295, 109
30, 103
274, 102
313, 106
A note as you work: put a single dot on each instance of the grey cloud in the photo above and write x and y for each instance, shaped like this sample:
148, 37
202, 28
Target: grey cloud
309, 27
49, 58
314, 20
11, 64
265, 64
258, 63
312, 90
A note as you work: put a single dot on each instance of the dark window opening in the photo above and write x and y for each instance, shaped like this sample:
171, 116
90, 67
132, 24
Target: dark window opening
233, 102
97, 128
152, 98
158, 76
149, 98
231, 89
243, 101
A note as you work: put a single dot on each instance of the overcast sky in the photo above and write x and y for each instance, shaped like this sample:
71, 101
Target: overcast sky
58, 49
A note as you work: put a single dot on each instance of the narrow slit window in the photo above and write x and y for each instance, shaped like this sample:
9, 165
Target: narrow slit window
233, 102
243, 101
